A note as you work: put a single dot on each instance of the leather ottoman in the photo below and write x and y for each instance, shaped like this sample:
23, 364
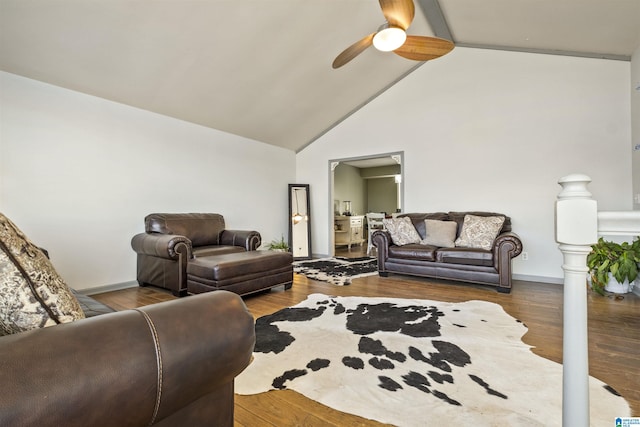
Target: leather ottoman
240, 272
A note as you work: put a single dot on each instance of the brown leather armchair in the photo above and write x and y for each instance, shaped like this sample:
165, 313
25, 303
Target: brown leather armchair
167, 364
170, 240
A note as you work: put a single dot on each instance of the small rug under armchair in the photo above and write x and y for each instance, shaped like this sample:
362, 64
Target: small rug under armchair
337, 270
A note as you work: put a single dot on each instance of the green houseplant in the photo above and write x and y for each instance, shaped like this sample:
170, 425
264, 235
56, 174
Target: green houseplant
613, 260
279, 245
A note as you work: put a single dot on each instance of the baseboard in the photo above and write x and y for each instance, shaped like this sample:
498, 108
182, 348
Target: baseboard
542, 279
108, 288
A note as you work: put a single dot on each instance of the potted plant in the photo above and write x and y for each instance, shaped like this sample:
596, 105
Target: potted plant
279, 245
613, 266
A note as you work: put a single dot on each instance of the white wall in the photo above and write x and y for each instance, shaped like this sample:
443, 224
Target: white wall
349, 185
382, 195
634, 88
79, 173
492, 130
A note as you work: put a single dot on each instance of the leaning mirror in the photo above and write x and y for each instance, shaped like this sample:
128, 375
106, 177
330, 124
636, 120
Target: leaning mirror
299, 227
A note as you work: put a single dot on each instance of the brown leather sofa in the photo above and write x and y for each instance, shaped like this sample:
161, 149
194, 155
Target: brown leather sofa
170, 240
167, 364
486, 267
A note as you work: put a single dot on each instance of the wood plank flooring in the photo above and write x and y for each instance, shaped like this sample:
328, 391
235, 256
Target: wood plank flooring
614, 335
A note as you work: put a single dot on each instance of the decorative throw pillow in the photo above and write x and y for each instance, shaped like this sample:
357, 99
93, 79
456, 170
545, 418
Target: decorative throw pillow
401, 230
440, 233
32, 294
479, 231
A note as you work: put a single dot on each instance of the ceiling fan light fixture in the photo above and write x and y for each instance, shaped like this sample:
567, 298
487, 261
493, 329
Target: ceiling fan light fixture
389, 38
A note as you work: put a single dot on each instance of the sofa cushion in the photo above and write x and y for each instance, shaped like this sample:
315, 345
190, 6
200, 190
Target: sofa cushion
32, 294
440, 233
413, 251
91, 307
466, 256
401, 230
479, 231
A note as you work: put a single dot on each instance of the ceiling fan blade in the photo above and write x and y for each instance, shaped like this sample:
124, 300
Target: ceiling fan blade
352, 51
398, 13
421, 48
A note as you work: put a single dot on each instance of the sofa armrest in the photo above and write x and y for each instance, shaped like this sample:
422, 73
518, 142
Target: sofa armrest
248, 239
134, 368
381, 239
507, 245
169, 246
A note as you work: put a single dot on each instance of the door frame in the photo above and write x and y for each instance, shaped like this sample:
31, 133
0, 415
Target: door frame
396, 156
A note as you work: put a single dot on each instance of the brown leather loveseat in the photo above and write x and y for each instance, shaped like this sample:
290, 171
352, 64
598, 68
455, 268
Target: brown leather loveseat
167, 364
466, 264
170, 240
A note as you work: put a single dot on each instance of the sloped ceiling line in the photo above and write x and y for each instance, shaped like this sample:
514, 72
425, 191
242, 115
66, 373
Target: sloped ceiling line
438, 23
549, 52
435, 18
433, 13
355, 110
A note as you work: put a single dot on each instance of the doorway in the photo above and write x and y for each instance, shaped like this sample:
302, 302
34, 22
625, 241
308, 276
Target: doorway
373, 183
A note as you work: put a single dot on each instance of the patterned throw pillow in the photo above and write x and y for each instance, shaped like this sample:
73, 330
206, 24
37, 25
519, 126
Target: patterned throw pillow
32, 294
440, 233
401, 230
479, 231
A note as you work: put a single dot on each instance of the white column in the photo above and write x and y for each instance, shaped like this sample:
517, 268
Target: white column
576, 231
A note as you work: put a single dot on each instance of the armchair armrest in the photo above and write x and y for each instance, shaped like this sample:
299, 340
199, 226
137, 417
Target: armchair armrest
134, 368
168, 246
248, 239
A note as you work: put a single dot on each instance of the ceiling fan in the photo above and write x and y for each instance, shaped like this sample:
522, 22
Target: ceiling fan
392, 36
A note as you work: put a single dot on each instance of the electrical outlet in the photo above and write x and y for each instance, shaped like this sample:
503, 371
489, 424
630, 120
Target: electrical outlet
525, 256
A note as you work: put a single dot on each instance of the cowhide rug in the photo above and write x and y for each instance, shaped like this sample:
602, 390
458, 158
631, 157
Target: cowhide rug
338, 271
414, 363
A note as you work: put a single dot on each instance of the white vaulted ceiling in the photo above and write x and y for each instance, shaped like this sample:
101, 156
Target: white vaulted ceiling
262, 68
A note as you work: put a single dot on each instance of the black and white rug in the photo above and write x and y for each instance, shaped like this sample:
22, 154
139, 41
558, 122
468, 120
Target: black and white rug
414, 363
338, 271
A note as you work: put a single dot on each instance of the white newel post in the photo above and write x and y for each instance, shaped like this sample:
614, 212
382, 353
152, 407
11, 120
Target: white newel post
576, 231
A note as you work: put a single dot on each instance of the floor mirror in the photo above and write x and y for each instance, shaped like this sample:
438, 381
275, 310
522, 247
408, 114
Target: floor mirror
299, 226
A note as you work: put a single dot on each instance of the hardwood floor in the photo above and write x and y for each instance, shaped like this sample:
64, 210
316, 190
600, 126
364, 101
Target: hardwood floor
356, 251
614, 335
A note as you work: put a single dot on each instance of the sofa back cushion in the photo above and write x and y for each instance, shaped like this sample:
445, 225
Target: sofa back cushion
458, 217
32, 293
402, 231
418, 220
440, 233
202, 229
479, 231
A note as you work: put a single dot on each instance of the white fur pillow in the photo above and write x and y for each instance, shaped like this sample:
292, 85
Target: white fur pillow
479, 231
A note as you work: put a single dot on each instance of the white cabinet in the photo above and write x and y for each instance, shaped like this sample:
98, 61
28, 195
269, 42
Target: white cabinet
348, 230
